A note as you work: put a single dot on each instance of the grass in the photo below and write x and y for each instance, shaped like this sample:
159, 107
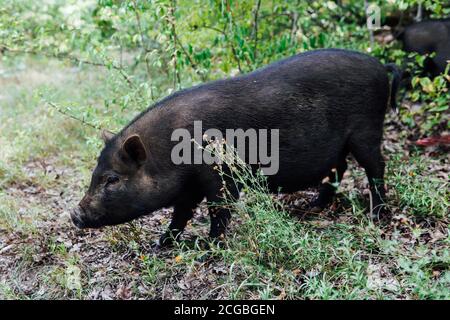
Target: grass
417, 190
270, 252
274, 256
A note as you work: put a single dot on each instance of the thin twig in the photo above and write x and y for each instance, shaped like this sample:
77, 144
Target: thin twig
255, 29
236, 57
4, 48
418, 17
144, 46
191, 61
232, 26
233, 50
273, 15
171, 20
294, 26
366, 6
177, 43
63, 112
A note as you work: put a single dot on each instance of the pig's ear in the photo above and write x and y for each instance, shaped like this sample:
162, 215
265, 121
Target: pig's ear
135, 149
107, 135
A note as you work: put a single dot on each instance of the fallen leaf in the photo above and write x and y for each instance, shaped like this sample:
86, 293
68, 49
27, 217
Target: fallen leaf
432, 141
123, 292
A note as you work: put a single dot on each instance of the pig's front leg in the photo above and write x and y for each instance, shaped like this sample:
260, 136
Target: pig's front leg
182, 213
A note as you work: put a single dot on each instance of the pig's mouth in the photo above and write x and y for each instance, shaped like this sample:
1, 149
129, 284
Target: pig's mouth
79, 219
83, 219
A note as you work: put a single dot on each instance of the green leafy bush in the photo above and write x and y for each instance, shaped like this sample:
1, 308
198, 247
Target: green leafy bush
434, 96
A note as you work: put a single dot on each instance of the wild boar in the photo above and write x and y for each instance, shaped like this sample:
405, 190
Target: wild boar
325, 104
427, 37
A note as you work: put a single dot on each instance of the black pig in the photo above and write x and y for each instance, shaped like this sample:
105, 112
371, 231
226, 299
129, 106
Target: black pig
325, 103
427, 37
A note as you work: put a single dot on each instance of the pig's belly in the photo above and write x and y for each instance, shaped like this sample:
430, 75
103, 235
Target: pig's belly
295, 181
301, 171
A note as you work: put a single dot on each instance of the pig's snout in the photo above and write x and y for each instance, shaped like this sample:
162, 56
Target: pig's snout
77, 217
78, 214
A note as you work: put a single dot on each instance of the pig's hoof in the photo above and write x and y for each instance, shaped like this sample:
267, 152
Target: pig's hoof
155, 247
316, 209
318, 205
380, 213
218, 242
166, 240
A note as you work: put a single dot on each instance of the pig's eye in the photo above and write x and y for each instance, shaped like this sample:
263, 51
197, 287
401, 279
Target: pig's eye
111, 180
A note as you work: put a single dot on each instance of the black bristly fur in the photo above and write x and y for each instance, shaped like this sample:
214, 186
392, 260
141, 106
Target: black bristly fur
325, 104
396, 80
426, 37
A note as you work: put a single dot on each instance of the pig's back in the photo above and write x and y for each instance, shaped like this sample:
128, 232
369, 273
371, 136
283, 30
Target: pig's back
426, 36
330, 86
315, 100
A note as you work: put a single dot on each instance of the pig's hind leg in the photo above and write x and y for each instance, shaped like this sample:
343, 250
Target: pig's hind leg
328, 188
368, 154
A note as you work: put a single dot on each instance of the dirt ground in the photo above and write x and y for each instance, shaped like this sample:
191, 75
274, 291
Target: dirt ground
42, 255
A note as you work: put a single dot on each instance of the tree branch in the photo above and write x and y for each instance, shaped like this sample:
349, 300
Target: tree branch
65, 113
66, 56
294, 26
144, 46
255, 29
233, 50
171, 20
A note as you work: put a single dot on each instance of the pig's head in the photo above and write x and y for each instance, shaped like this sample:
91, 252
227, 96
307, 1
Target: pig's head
122, 186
